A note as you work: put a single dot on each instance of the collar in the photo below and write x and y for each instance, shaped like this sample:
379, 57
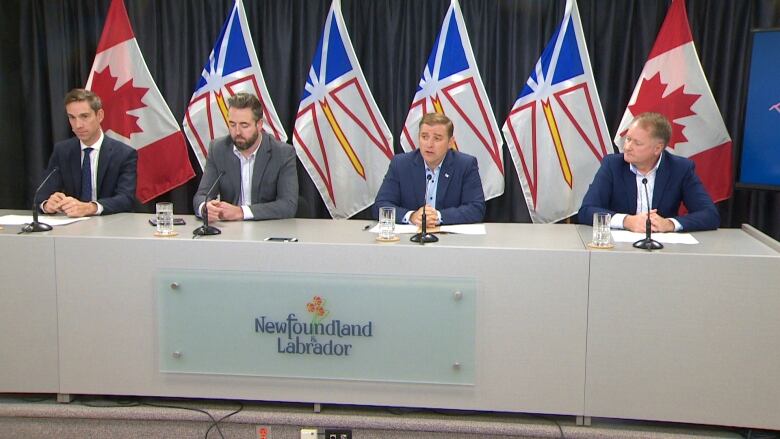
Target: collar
241, 155
634, 169
95, 146
438, 167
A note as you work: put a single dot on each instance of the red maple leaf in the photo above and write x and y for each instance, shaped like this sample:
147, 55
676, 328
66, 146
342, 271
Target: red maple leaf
674, 106
116, 103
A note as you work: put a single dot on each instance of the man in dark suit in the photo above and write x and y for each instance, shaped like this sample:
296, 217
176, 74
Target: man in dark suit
449, 179
618, 187
96, 174
260, 180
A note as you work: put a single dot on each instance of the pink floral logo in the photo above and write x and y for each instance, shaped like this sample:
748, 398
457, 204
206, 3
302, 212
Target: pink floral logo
317, 309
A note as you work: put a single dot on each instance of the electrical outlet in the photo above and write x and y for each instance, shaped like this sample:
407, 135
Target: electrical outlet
338, 434
308, 433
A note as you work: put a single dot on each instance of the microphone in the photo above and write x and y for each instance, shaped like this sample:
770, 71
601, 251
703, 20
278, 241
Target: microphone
648, 243
206, 229
424, 236
35, 225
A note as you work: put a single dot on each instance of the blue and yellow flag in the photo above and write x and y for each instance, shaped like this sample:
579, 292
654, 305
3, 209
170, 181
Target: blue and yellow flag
556, 130
232, 67
451, 84
340, 135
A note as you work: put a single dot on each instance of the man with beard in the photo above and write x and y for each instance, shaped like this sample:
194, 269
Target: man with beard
96, 175
260, 180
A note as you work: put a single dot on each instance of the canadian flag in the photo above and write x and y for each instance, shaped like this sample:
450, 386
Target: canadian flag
673, 84
135, 111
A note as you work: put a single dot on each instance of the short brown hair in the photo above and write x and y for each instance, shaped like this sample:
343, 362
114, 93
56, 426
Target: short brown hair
81, 95
657, 124
437, 119
247, 100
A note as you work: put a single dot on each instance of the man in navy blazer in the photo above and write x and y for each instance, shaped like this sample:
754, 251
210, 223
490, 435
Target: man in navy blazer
109, 163
619, 184
449, 178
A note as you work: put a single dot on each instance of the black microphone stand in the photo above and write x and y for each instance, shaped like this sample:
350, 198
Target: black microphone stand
648, 243
206, 229
35, 225
424, 236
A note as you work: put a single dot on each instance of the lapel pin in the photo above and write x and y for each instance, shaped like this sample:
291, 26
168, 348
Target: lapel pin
446, 175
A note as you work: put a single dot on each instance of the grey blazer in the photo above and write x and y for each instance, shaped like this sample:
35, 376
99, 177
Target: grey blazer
274, 178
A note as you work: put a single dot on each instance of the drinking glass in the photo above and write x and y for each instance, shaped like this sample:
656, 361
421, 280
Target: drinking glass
164, 218
602, 235
386, 222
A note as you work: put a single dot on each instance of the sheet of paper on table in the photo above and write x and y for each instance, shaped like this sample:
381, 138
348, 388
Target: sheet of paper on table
462, 229
664, 238
18, 220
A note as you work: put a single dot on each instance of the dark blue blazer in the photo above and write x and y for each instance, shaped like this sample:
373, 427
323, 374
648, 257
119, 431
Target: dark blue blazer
614, 190
116, 174
459, 195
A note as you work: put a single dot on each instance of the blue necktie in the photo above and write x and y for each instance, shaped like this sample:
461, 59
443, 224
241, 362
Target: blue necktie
86, 176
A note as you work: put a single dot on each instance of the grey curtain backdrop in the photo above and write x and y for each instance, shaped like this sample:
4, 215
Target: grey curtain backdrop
47, 48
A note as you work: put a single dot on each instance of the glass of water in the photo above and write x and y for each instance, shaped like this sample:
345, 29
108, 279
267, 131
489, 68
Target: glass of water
386, 222
164, 219
602, 235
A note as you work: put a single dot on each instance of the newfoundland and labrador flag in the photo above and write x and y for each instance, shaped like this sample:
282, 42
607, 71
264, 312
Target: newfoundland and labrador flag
556, 130
451, 84
340, 136
673, 83
232, 68
135, 111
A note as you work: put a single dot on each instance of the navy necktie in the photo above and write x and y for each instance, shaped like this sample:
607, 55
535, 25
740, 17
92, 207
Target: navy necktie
86, 176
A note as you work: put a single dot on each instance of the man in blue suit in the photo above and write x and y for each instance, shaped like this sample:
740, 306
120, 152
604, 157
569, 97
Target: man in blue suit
619, 185
448, 178
96, 174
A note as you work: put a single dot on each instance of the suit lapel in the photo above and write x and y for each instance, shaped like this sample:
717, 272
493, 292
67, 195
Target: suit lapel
262, 158
445, 174
419, 183
629, 183
661, 179
73, 173
232, 177
104, 160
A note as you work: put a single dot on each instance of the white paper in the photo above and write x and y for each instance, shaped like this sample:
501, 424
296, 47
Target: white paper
19, 220
462, 229
465, 229
665, 238
399, 229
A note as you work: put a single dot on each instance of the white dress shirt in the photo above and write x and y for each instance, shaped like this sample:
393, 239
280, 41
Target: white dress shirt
643, 201
247, 169
430, 192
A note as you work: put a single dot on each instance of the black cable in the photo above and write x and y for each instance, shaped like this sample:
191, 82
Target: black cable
118, 403
36, 399
215, 424
553, 420
132, 403
404, 410
23, 398
452, 412
213, 421
760, 434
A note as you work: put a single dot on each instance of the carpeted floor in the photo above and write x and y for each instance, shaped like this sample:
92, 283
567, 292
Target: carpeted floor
125, 417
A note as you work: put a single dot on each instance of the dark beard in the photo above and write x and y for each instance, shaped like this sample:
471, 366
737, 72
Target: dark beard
243, 146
